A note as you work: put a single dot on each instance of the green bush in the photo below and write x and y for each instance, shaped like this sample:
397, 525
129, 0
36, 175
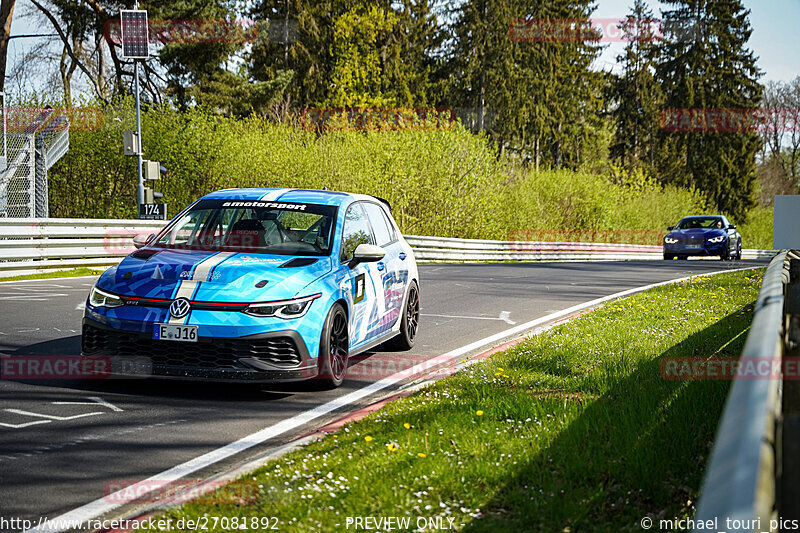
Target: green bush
448, 183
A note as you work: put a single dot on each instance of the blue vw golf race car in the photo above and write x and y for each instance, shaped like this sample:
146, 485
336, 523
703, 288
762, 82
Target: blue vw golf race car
258, 285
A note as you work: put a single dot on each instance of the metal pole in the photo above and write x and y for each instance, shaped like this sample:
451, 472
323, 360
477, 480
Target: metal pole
140, 189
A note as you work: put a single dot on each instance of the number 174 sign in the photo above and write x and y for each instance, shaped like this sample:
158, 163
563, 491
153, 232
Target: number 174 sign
152, 211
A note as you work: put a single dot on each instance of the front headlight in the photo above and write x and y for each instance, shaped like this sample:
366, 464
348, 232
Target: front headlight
294, 308
670, 240
717, 239
98, 298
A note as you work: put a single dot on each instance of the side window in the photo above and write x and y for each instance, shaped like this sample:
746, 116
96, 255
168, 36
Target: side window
356, 231
380, 225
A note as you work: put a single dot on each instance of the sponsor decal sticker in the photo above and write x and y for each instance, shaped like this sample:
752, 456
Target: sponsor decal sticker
272, 205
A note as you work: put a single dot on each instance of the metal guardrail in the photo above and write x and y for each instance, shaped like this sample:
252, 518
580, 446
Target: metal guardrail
740, 480
35, 245
465, 250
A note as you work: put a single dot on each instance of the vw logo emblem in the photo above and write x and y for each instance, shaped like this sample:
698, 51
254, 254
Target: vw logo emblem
180, 308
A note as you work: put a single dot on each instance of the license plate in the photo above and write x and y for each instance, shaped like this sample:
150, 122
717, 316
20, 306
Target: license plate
693, 246
175, 332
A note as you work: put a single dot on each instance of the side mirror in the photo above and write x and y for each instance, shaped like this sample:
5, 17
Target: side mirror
367, 253
732, 226
670, 228
141, 240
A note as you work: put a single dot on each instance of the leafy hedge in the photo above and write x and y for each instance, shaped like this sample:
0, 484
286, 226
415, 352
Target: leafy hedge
445, 183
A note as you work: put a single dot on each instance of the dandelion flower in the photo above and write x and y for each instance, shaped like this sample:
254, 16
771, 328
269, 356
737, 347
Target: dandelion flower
407, 425
392, 447
367, 438
420, 454
479, 413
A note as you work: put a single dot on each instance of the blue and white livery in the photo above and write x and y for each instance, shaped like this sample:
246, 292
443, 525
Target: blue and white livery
258, 285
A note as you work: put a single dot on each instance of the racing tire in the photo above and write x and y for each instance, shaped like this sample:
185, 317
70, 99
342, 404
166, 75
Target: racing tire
334, 349
738, 256
409, 324
668, 257
683, 257
726, 255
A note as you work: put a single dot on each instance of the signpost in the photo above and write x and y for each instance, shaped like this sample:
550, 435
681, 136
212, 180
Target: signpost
135, 41
152, 211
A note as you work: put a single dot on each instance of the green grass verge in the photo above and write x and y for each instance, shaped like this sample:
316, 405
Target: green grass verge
571, 430
57, 274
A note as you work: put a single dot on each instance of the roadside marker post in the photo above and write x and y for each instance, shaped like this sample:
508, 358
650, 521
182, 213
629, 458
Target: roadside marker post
135, 45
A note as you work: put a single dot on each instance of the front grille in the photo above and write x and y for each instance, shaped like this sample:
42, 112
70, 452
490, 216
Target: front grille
205, 353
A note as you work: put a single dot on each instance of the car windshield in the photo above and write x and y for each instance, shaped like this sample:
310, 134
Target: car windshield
252, 226
700, 223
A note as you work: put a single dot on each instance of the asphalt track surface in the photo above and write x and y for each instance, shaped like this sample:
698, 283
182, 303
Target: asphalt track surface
64, 443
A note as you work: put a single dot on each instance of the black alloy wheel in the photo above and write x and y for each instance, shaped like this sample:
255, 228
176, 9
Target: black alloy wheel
409, 324
334, 349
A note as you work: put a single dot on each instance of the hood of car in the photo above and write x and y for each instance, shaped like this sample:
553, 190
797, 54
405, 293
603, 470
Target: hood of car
707, 233
216, 276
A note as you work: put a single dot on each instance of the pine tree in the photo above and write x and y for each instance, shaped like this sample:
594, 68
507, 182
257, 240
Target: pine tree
705, 64
537, 97
637, 93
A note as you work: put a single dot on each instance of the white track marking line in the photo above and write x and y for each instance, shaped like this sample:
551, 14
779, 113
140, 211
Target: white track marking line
26, 424
103, 505
462, 316
33, 297
95, 400
51, 417
504, 317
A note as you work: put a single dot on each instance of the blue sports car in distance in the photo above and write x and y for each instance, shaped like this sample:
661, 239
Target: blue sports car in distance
258, 285
708, 235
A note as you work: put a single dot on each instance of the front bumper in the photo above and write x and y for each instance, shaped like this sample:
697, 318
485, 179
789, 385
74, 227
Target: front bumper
705, 249
261, 358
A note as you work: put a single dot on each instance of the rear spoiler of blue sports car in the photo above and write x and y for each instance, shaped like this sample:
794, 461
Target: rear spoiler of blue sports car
385, 202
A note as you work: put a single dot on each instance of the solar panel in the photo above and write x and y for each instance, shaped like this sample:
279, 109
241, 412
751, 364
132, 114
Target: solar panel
133, 23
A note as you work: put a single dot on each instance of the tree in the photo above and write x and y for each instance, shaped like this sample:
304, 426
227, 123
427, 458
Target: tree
781, 111
302, 45
637, 93
191, 71
6, 15
538, 88
395, 44
360, 41
78, 28
710, 68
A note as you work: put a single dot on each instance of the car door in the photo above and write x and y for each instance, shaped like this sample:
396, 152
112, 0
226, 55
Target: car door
393, 270
367, 307
733, 236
